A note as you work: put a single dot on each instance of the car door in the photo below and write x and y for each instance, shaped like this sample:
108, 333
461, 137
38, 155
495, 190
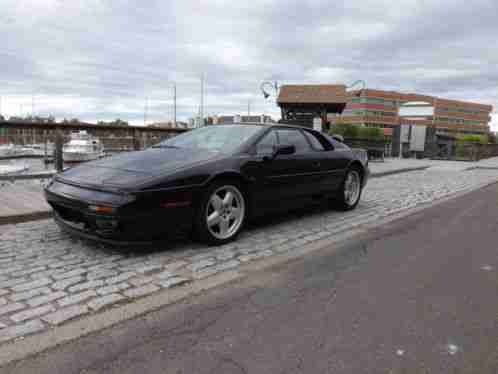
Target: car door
267, 192
278, 182
333, 162
303, 168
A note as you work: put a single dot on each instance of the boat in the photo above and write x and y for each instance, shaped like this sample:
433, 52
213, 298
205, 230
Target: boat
82, 147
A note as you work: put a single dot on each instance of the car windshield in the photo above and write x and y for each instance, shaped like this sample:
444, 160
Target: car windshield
217, 138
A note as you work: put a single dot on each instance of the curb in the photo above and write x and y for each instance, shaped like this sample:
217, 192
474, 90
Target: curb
25, 217
397, 171
11, 177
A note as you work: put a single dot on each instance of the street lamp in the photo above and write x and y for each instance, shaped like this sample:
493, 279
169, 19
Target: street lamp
273, 85
357, 82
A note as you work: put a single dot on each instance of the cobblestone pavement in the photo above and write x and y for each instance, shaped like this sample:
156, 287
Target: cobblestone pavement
48, 278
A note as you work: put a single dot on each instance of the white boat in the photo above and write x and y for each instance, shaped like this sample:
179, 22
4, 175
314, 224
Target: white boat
82, 147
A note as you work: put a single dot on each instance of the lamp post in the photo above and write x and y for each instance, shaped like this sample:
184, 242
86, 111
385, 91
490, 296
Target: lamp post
363, 84
272, 85
174, 105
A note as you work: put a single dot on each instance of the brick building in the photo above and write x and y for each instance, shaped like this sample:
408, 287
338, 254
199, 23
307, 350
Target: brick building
381, 108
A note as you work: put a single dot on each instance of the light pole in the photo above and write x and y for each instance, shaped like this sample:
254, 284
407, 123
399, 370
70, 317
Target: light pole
201, 114
273, 85
174, 105
146, 108
363, 84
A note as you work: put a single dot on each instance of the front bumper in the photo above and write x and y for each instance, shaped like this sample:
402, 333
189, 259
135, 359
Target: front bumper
136, 227
366, 176
91, 235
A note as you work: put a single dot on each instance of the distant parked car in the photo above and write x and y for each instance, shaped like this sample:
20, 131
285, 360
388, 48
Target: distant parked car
211, 180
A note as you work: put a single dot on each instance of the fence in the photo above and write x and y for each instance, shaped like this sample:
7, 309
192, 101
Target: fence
458, 151
376, 149
475, 151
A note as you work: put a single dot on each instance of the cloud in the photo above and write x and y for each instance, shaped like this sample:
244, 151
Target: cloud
101, 59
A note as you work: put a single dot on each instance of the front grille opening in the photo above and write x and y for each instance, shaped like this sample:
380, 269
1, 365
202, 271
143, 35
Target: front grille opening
68, 214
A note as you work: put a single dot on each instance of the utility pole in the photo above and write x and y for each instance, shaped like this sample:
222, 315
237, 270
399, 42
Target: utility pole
202, 101
248, 108
32, 106
0, 105
145, 110
174, 105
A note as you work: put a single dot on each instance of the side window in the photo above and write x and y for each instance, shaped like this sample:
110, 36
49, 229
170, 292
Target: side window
295, 138
315, 143
266, 145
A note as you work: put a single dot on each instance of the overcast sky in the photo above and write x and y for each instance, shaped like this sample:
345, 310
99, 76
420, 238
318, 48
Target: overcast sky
101, 59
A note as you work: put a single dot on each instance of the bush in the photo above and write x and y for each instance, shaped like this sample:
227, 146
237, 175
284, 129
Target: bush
358, 132
492, 138
481, 139
346, 131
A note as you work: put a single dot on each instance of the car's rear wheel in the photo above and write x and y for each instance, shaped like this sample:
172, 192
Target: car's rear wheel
350, 192
222, 213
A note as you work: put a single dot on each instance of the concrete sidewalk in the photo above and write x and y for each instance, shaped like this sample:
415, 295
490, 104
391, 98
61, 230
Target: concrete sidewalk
22, 202
396, 165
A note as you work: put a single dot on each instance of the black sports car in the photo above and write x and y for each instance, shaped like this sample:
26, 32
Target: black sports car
210, 181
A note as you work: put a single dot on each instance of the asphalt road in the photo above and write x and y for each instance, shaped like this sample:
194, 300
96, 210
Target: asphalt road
417, 296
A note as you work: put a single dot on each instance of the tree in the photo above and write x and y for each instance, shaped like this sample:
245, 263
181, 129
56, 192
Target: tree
492, 138
117, 122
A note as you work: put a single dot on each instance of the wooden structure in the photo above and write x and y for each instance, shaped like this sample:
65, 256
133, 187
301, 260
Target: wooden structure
300, 104
113, 137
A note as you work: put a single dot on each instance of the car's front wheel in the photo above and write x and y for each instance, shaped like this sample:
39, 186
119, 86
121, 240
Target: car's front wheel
350, 192
222, 213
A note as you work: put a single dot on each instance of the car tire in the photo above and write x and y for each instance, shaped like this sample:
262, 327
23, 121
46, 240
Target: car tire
221, 213
350, 192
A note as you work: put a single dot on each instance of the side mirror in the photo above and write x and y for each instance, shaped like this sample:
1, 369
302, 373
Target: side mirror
338, 137
284, 150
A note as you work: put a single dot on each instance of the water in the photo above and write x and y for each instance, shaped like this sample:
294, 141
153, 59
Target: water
35, 165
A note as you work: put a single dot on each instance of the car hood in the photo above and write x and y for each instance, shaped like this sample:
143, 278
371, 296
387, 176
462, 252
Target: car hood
133, 168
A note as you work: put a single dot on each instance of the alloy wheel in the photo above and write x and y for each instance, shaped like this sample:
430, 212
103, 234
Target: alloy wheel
225, 212
352, 188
